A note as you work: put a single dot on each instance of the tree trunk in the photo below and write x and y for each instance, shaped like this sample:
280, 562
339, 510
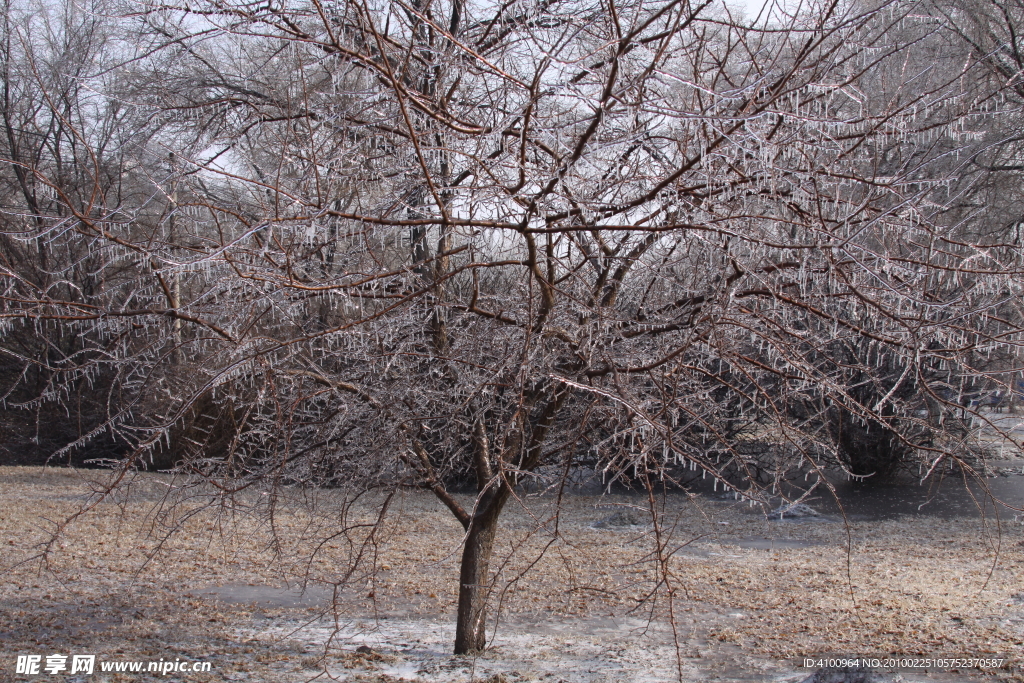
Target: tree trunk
471, 630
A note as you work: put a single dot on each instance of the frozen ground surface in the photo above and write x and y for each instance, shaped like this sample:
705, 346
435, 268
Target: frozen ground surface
751, 596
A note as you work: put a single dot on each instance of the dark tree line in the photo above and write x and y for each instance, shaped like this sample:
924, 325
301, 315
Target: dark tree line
418, 244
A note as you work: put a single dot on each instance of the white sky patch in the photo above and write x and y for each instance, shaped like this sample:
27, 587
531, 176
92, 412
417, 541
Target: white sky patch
749, 8
761, 12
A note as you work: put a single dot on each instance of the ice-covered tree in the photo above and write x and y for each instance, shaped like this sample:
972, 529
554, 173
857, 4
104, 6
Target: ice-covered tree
419, 244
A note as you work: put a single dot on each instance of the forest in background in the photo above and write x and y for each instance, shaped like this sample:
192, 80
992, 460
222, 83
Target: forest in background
381, 245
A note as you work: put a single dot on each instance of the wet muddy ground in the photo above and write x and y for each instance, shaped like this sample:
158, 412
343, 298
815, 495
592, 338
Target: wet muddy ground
574, 590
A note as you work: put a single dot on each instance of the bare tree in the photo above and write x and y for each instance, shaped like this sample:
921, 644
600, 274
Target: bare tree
419, 244
985, 197
65, 149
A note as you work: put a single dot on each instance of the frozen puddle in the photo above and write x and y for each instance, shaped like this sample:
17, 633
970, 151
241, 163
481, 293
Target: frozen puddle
771, 543
696, 551
266, 596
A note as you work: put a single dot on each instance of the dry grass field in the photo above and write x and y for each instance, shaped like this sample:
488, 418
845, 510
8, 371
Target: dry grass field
749, 595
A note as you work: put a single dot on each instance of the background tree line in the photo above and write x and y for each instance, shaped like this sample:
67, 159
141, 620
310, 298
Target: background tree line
445, 244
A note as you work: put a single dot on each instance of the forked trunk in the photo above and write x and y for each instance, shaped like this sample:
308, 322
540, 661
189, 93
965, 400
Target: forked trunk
471, 630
